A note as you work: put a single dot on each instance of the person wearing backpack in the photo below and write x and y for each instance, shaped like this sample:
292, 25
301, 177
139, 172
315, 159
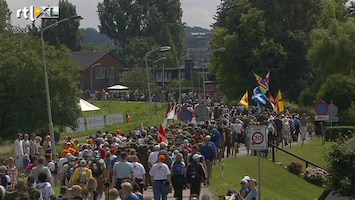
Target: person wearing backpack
68, 169
81, 175
98, 167
195, 175
46, 189
209, 152
178, 176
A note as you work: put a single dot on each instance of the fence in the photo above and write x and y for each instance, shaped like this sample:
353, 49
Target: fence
96, 122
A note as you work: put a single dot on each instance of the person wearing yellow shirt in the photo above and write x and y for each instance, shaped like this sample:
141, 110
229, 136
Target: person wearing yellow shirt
81, 175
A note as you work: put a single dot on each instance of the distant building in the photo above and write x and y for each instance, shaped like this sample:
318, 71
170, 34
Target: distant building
98, 69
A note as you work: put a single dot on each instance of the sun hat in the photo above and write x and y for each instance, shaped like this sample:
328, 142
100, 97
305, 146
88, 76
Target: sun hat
196, 157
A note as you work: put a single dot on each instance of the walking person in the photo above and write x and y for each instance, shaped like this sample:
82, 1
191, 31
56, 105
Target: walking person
209, 152
178, 176
195, 174
304, 127
161, 175
139, 173
122, 170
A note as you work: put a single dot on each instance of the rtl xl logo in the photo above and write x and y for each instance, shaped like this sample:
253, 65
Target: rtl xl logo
43, 12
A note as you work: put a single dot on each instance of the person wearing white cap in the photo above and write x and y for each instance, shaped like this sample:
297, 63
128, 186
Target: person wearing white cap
251, 195
153, 156
81, 175
195, 175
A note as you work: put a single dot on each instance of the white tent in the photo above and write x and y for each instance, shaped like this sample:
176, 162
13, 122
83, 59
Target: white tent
117, 87
86, 106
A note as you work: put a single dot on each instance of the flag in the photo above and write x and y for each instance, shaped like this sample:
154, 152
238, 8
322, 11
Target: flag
162, 137
263, 86
272, 101
171, 112
259, 97
267, 78
280, 106
245, 100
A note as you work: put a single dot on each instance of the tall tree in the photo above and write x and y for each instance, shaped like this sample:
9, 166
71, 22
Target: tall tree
5, 16
22, 88
67, 33
126, 20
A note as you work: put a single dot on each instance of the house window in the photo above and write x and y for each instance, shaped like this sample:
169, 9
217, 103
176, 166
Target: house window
99, 73
110, 72
121, 77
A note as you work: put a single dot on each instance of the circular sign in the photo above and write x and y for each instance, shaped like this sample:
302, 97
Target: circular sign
257, 138
332, 110
321, 108
156, 98
186, 115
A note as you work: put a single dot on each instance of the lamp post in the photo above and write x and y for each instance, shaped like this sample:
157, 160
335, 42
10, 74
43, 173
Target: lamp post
161, 49
203, 70
95, 65
49, 109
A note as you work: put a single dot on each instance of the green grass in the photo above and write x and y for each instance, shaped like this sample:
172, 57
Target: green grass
314, 151
139, 112
277, 183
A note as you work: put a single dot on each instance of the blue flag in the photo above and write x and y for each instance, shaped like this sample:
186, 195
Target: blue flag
259, 97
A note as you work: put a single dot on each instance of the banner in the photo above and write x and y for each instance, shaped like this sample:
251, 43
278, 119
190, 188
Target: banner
80, 128
114, 119
96, 123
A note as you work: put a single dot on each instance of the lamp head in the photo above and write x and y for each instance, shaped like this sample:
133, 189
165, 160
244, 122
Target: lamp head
165, 48
76, 18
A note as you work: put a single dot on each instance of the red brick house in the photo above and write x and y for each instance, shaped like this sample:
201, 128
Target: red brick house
99, 69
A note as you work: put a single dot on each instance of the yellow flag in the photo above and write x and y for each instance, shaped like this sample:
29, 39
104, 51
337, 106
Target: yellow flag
280, 105
245, 100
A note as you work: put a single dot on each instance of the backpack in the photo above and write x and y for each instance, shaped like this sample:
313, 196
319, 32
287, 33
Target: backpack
194, 171
178, 168
83, 176
43, 191
3, 180
96, 168
214, 136
70, 170
55, 171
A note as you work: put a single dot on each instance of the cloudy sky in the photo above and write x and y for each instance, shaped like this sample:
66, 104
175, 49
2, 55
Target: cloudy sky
195, 12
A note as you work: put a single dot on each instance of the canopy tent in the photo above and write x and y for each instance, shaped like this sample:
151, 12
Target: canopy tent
118, 87
86, 106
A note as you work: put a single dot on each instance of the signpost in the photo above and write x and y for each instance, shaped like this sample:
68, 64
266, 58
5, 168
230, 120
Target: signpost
258, 142
202, 114
186, 115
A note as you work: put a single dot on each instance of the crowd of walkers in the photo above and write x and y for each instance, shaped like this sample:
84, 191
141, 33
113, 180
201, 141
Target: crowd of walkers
116, 165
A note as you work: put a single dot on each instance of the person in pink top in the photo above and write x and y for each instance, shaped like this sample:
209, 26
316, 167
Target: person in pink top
33, 164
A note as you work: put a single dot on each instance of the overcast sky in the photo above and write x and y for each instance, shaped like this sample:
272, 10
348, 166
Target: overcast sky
195, 12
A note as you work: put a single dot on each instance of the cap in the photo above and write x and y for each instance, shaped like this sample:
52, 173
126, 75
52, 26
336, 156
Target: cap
186, 141
208, 137
196, 157
243, 181
69, 155
247, 178
82, 163
157, 147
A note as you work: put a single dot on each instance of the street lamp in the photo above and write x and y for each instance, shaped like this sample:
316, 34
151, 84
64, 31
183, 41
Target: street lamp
203, 70
161, 49
49, 109
95, 65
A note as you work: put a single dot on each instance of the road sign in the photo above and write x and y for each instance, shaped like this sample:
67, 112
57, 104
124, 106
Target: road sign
321, 108
258, 138
202, 114
333, 119
321, 117
332, 110
186, 115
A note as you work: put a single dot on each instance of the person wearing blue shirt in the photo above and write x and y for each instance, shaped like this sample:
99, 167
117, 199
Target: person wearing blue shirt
209, 152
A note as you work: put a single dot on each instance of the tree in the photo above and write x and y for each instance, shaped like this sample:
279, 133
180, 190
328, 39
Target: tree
341, 161
261, 36
67, 33
125, 21
5, 16
23, 98
136, 78
340, 89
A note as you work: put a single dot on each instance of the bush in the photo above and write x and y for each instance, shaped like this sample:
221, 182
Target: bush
295, 167
316, 176
336, 132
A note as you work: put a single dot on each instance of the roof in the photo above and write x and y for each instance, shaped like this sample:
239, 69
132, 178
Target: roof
87, 58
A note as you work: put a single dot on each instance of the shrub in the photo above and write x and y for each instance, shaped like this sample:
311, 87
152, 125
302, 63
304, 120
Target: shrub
295, 167
316, 176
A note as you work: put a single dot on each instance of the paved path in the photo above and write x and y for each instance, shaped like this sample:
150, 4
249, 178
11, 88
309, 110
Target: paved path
204, 189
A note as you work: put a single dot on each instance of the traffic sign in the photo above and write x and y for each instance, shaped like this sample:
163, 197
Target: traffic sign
258, 138
202, 114
186, 115
321, 117
332, 110
321, 108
